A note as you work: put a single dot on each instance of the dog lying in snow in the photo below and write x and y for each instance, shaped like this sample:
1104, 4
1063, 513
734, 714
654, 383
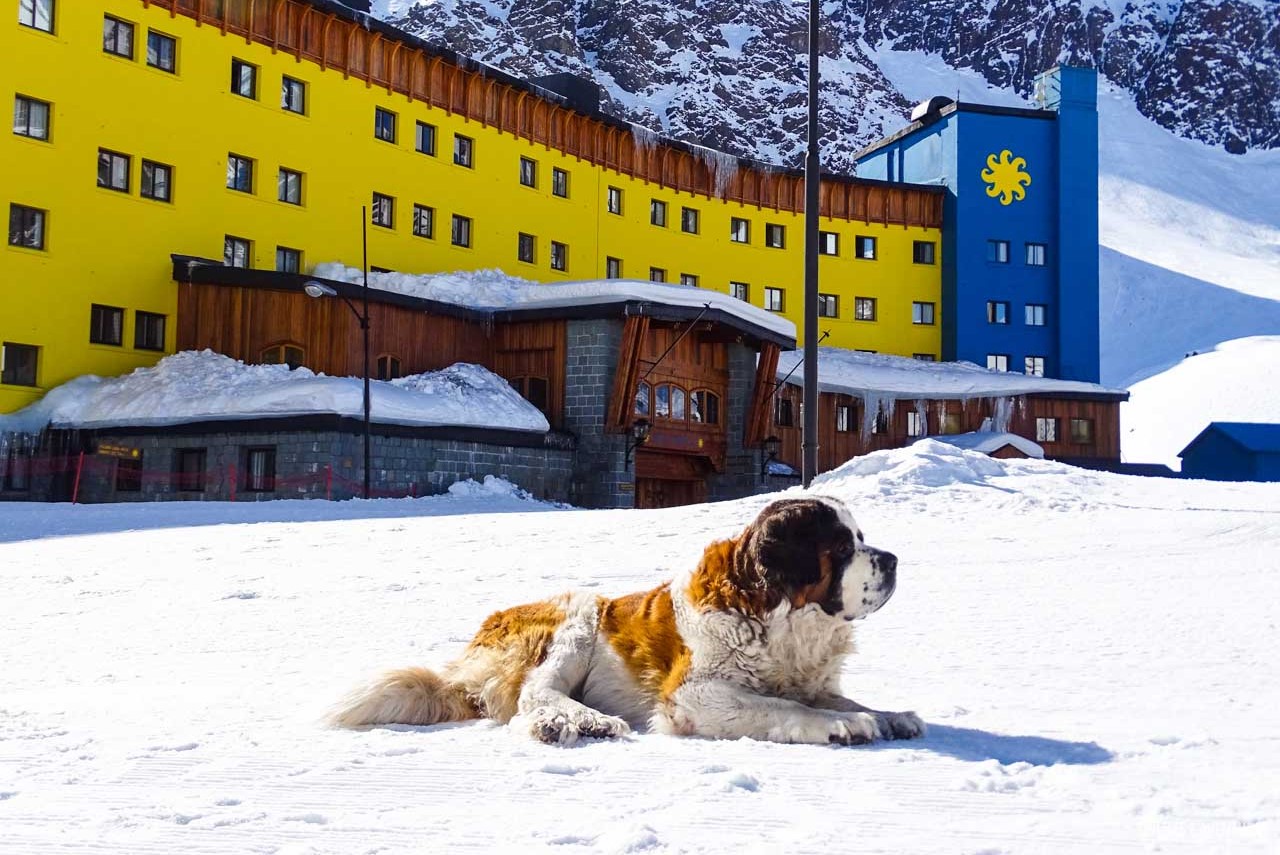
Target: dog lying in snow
749, 643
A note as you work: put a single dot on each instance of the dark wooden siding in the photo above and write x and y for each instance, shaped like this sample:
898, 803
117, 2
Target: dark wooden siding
696, 362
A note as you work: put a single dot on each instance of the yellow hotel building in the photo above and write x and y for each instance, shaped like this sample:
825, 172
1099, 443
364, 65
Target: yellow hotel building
254, 131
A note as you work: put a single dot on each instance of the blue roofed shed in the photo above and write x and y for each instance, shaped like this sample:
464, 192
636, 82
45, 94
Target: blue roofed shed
1234, 451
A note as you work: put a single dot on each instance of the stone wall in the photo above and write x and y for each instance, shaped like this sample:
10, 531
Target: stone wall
600, 479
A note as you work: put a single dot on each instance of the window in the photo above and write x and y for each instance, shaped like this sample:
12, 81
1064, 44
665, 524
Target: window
424, 139
239, 173
106, 325
774, 299
922, 313
259, 470
389, 367
424, 221
783, 415
16, 470
288, 260
528, 172
293, 95
188, 469
536, 390
657, 274
915, 423
642, 398
828, 243
669, 402
37, 14
1033, 365
1036, 253
924, 357
157, 181
704, 407
739, 230
237, 252
113, 170
689, 279
384, 125
162, 51
689, 220
740, 291
559, 256
117, 37
291, 355
1082, 431
844, 418
657, 212
1034, 313
864, 308
952, 423
18, 364
559, 182
880, 425
148, 331
922, 252
997, 362
525, 247
1046, 430
828, 306
460, 233
244, 79
775, 235
614, 201
997, 312
129, 473
612, 268
864, 247
30, 118
289, 186
463, 150
26, 227
384, 211
998, 251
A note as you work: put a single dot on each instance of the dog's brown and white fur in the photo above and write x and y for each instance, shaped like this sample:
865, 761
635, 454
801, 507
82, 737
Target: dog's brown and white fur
749, 643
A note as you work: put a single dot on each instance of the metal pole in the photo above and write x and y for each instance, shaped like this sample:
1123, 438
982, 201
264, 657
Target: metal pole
809, 441
364, 328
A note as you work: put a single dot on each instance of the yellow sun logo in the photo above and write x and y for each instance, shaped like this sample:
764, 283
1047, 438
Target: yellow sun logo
1005, 177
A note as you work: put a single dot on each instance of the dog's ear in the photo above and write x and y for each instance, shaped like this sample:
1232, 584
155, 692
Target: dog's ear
790, 545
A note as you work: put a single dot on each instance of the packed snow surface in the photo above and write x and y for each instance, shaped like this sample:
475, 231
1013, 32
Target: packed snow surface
876, 374
987, 442
1096, 656
493, 289
195, 386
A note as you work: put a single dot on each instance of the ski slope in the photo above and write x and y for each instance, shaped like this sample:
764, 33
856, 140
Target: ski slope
1096, 657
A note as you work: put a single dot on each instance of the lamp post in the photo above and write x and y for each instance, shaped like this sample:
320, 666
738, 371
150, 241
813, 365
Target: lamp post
812, 173
639, 436
318, 289
770, 447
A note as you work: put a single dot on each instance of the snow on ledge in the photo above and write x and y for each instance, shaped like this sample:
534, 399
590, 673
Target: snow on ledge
197, 386
875, 375
493, 289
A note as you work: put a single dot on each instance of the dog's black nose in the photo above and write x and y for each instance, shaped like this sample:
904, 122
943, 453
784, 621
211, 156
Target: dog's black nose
887, 564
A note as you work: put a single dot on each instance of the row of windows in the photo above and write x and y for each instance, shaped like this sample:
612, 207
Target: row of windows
670, 401
1033, 313
106, 326
1032, 365
1081, 430
386, 128
117, 39
1036, 253
529, 177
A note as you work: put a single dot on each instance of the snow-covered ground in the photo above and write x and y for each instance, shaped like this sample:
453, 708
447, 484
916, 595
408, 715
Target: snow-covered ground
1096, 656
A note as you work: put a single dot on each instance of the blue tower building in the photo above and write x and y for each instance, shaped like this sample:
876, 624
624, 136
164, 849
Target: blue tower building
1020, 223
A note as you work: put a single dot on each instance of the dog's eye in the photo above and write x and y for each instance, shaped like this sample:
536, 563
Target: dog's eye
844, 550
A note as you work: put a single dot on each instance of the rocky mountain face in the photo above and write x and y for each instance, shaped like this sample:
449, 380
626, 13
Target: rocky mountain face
731, 75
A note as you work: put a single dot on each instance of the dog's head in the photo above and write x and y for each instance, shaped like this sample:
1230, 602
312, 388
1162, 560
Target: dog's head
811, 552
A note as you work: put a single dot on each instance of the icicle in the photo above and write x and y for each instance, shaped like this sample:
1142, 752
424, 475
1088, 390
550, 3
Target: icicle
922, 412
644, 138
721, 165
1001, 413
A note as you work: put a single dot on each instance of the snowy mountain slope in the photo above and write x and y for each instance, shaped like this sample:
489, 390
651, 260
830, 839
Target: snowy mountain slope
1087, 691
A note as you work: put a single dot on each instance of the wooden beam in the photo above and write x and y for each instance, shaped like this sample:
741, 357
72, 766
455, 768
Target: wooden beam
627, 375
757, 422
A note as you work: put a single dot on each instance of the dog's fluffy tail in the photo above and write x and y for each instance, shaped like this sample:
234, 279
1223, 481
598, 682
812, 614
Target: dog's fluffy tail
406, 696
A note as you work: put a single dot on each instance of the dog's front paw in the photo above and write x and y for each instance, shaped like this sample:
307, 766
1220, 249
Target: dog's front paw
856, 728
901, 725
600, 726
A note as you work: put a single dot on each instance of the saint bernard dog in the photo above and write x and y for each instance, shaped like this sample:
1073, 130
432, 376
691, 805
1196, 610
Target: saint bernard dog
747, 644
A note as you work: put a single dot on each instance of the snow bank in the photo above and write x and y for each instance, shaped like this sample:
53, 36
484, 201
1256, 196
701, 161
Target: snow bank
985, 442
493, 289
927, 463
195, 386
872, 375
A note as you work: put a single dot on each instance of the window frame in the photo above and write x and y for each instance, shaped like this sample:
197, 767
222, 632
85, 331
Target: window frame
915, 424
231, 243
997, 358
183, 472
828, 299
278, 354
783, 412
385, 124
9, 375
428, 132
739, 230
238, 167
997, 251
284, 191
998, 312
844, 418
145, 326
526, 241
286, 89
918, 313
559, 256
861, 306
238, 79
288, 252
775, 236
50, 8
612, 267
740, 291
828, 243
1046, 429
382, 210
1033, 365
421, 213
39, 219
128, 474
263, 481
1035, 314
29, 102
559, 182
704, 401
924, 252
147, 181
775, 298
114, 49
161, 62
464, 151
98, 314
1081, 431
861, 241
388, 366
613, 200
657, 274
528, 172
658, 213
1032, 255
112, 159
460, 231
690, 220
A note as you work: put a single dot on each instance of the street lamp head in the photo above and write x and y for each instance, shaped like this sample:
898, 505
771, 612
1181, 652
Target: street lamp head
640, 431
771, 445
317, 289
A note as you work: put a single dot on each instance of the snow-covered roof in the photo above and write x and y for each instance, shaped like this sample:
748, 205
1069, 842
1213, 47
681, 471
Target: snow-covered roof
987, 442
199, 386
874, 375
494, 289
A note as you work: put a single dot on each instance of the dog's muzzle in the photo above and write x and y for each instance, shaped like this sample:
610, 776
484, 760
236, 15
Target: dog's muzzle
887, 564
